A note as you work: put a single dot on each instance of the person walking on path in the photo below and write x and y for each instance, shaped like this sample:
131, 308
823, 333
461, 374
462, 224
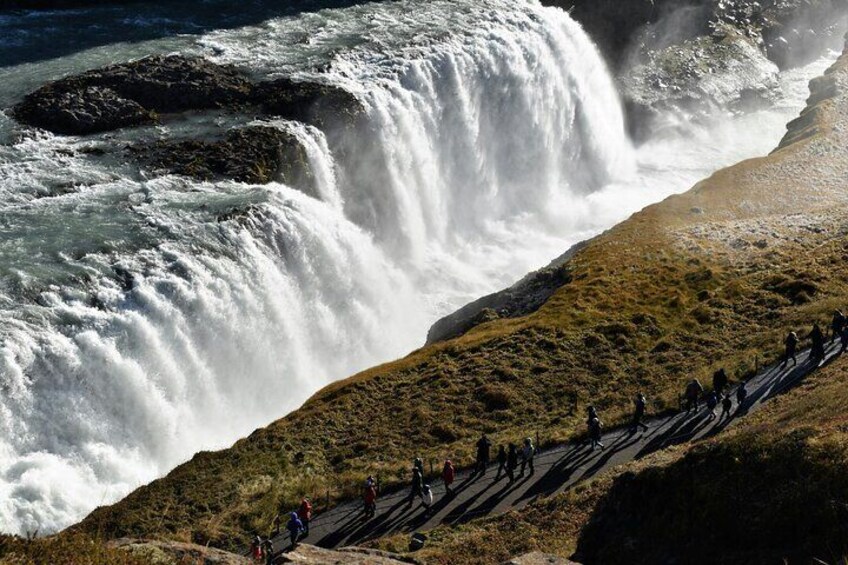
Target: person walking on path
369, 498
791, 344
528, 452
693, 393
836, 325
417, 485
501, 458
595, 432
511, 461
256, 548
426, 497
843, 338
719, 381
448, 476
484, 447
295, 528
817, 343
268, 549
712, 403
277, 524
741, 394
726, 405
419, 464
638, 413
305, 514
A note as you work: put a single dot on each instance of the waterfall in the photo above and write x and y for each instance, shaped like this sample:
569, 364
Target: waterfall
145, 319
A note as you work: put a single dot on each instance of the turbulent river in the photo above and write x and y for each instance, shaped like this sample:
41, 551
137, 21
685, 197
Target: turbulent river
136, 328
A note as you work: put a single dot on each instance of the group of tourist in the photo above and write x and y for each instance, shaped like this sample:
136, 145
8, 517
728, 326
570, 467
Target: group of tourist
297, 527
512, 457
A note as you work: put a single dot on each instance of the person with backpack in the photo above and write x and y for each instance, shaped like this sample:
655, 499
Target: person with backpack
741, 394
305, 514
416, 486
501, 459
369, 498
295, 528
638, 413
817, 343
836, 325
448, 476
791, 344
712, 403
726, 405
528, 453
426, 497
511, 461
693, 394
719, 381
484, 447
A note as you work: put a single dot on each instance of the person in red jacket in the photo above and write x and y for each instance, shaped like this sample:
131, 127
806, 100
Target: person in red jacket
448, 476
369, 498
305, 514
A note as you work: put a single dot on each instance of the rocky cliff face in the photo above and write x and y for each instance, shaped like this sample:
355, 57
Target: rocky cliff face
696, 54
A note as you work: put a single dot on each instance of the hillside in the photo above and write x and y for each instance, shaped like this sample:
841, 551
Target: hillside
712, 278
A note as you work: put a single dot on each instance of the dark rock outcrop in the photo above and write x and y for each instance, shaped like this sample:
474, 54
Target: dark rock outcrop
253, 154
313, 103
138, 92
522, 298
132, 94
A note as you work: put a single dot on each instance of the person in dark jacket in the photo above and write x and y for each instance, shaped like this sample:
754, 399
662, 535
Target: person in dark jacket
415, 487
268, 549
638, 413
836, 325
484, 447
595, 432
511, 461
817, 343
501, 458
843, 338
295, 528
741, 394
726, 405
719, 381
712, 403
791, 344
692, 394
419, 464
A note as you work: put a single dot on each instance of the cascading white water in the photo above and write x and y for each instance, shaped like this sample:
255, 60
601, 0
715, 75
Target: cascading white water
145, 319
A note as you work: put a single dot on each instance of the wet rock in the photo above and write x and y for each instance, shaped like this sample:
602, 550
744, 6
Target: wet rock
696, 75
313, 103
252, 154
82, 111
132, 93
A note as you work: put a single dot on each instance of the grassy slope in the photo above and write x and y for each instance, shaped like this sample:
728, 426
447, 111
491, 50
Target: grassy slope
62, 549
709, 278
